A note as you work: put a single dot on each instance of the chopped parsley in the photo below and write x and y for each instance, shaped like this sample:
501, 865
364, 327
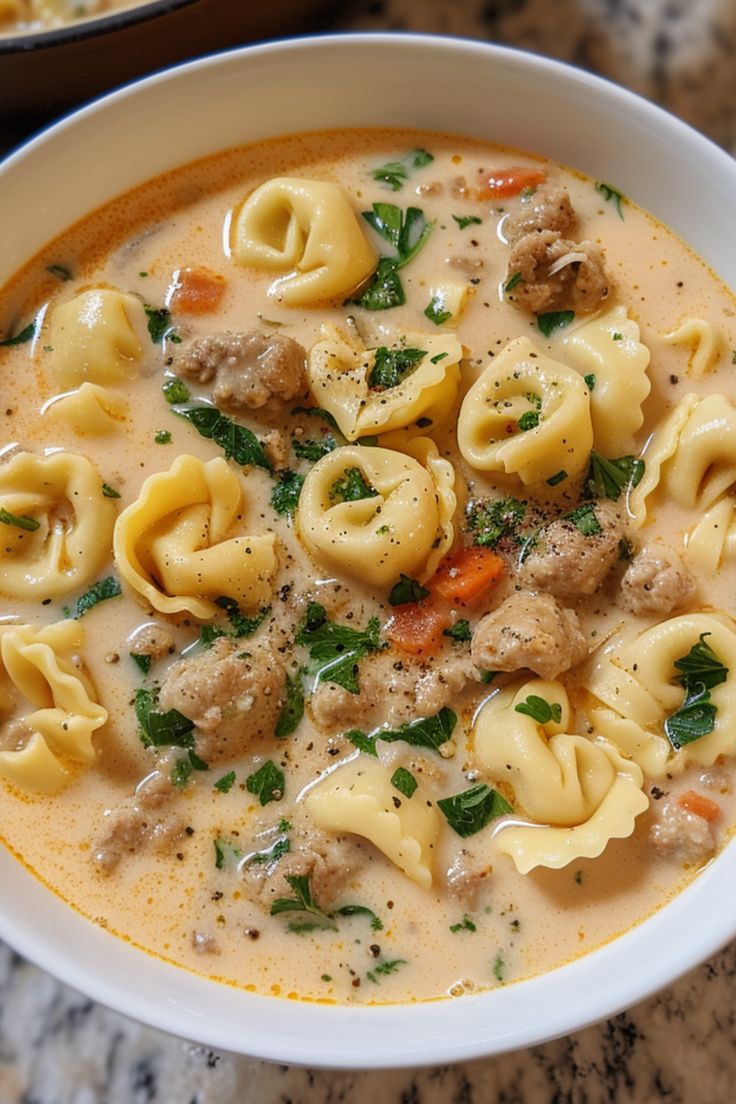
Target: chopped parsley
427, 732
618, 337
585, 521
318, 412
470, 811
490, 522
224, 850
98, 592
308, 916
702, 670
404, 781
311, 449
512, 282
162, 437
180, 772
406, 590
554, 320
240, 625
395, 173
407, 233
435, 312
61, 272
109, 492
159, 325
590, 381
293, 708
558, 477
460, 631
385, 289
273, 853
20, 338
432, 360
267, 783
390, 966
361, 910
611, 194
226, 783
237, 442
608, 478
19, 521
335, 650
528, 420
142, 662
392, 366
466, 924
176, 391
157, 729
351, 487
286, 491
464, 221
540, 710
499, 967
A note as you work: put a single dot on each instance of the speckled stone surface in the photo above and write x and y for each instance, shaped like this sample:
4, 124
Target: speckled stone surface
57, 1047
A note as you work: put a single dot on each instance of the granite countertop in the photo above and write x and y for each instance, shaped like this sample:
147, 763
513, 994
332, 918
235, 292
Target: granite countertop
57, 1047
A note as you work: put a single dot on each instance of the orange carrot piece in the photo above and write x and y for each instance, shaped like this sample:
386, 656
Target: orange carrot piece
509, 182
198, 291
417, 628
465, 575
700, 805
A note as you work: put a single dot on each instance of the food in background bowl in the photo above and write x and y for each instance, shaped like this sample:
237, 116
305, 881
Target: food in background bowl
353, 634
23, 16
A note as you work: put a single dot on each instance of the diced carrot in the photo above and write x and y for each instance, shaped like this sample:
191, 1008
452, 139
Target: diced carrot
509, 182
417, 628
699, 805
465, 575
198, 291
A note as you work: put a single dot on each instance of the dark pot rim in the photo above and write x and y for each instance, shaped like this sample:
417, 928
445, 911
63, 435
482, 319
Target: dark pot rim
90, 28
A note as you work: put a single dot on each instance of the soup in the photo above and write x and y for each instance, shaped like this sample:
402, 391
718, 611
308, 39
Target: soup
367, 517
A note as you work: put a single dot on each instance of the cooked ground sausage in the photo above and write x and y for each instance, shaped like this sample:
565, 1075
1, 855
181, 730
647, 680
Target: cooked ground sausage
233, 692
547, 209
681, 835
656, 583
152, 640
568, 563
142, 822
557, 274
247, 369
328, 861
529, 631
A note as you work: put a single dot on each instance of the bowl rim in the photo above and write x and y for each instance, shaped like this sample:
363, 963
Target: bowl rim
94, 25
633, 963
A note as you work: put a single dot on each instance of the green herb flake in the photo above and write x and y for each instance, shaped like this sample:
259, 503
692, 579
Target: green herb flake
406, 590
404, 781
618, 337
237, 442
470, 811
363, 742
162, 437
558, 477
109, 492
491, 521
361, 910
267, 783
326, 977
464, 221
98, 592
309, 916
702, 670
392, 366
460, 631
351, 487
528, 420
180, 772
554, 320
197, 763
385, 289
240, 625
390, 966
701, 666
20, 338
293, 708
219, 854
610, 193
585, 521
61, 272
335, 650
142, 662
394, 174
157, 729
19, 521
540, 710
317, 412
466, 924
176, 391
311, 449
406, 231
226, 783
426, 732
435, 313
286, 491
608, 478
159, 325
434, 360
590, 381
487, 677
512, 282
499, 968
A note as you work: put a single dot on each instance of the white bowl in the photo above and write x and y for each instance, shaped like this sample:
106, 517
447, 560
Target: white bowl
440, 84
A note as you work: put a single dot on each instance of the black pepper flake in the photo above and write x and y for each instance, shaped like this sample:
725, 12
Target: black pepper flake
375, 950
657, 793
674, 379
253, 933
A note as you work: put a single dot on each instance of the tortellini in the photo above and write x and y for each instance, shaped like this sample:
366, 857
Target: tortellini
581, 792
704, 341
403, 525
91, 411
609, 348
97, 336
36, 665
309, 230
713, 540
638, 681
70, 524
340, 373
358, 797
174, 545
522, 381
692, 456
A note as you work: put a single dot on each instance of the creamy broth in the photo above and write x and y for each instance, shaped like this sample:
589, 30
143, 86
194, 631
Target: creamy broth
183, 883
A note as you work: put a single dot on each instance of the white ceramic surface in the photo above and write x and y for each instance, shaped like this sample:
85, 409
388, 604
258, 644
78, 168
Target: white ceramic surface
440, 84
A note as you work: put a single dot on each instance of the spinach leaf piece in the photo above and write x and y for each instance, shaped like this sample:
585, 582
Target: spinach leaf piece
435, 311
407, 232
159, 324
318, 412
427, 732
237, 442
470, 811
157, 729
392, 366
702, 670
361, 910
404, 781
351, 487
335, 650
19, 521
701, 666
20, 338
611, 194
310, 916
395, 173
460, 631
528, 420
267, 783
286, 491
226, 783
406, 590
464, 221
142, 662
311, 449
385, 289
608, 478
293, 709
98, 592
176, 391
512, 282
240, 625
273, 853
554, 320
109, 492
491, 521
540, 710
585, 521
